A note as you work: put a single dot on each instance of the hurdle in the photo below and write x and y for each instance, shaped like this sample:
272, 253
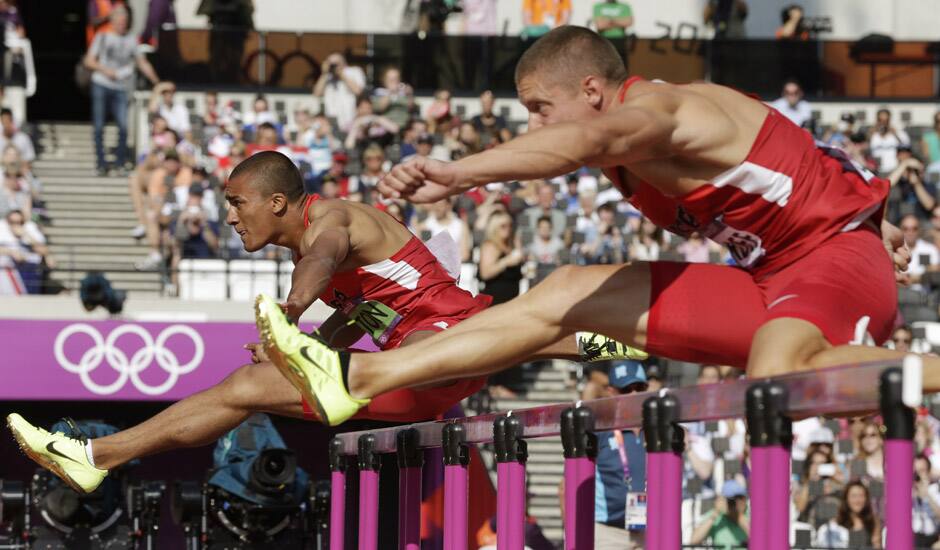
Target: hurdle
768, 406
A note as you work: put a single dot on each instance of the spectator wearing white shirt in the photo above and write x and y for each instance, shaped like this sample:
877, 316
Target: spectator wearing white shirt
23, 246
163, 104
260, 114
442, 218
12, 135
884, 141
338, 86
792, 105
924, 254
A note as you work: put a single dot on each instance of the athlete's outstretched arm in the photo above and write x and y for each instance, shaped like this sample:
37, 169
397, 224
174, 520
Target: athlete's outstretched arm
324, 247
639, 131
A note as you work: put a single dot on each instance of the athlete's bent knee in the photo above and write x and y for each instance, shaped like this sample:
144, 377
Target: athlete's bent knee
241, 387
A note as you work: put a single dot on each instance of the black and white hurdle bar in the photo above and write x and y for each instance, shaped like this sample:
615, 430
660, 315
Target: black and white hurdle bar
768, 406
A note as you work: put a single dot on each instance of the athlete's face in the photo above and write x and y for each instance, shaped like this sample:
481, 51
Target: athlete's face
250, 214
549, 102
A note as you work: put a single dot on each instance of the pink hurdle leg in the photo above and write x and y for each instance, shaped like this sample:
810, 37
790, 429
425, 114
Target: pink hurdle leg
456, 486
899, 462
368, 493
410, 462
771, 437
580, 451
337, 496
511, 456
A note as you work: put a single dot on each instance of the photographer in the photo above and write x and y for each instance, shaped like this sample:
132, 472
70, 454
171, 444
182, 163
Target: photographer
819, 486
728, 525
910, 194
793, 27
338, 87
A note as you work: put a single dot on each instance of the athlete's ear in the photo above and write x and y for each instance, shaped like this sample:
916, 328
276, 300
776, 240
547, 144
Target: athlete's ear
278, 203
592, 89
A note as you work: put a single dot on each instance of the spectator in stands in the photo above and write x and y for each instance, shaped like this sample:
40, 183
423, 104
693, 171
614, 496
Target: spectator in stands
11, 135
337, 173
161, 205
648, 243
728, 525
926, 504
927, 442
819, 492
99, 18
613, 18
603, 242
695, 249
910, 194
545, 248
394, 99
23, 244
441, 217
541, 16
112, 57
655, 377
194, 234
870, 455
300, 131
491, 127
338, 86
792, 27
546, 207
480, 17
620, 468
792, 105
467, 142
440, 115
500, 259
163, 104
727, 18
259, 114
902, 338
321, 144
15, 195
362, 186
569, 199
884, 141
369, 128
855, 515
408, 145
930, 145
925, 256
841, 135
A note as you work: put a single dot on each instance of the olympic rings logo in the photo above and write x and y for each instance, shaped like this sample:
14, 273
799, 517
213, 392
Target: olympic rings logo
104, 349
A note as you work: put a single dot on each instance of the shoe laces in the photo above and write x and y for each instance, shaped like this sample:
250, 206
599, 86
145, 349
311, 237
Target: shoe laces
76, 432
591, 349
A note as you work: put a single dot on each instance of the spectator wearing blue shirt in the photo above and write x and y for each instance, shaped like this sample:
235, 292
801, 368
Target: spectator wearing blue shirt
621, 468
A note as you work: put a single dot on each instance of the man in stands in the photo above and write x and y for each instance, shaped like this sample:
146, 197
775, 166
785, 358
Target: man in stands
804, 224
383, 282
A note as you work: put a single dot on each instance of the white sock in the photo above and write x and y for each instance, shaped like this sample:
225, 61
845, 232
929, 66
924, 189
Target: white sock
89, 453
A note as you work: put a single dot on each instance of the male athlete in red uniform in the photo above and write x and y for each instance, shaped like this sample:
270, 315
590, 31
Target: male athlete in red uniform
382, 281
802, 221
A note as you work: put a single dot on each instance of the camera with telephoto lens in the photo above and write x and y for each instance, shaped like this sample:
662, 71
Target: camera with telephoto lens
96, 290
14, 510
262, 503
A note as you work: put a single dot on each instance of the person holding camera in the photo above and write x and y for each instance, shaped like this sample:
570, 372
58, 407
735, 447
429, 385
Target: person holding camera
728, 525
338, 87
910, 193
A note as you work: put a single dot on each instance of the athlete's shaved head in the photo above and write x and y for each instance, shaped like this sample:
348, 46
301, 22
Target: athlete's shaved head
271, 172
568, 54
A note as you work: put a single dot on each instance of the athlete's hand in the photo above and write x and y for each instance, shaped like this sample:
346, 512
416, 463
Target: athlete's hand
421, 180
258, 355
294, 309
898, 251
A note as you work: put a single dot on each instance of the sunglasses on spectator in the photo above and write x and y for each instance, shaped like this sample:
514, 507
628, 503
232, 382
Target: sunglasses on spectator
637, 387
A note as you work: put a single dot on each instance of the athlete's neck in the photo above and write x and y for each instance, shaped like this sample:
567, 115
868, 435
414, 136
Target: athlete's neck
292, 228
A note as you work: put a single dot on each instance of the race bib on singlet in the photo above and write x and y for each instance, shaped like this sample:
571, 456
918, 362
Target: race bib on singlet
375, 319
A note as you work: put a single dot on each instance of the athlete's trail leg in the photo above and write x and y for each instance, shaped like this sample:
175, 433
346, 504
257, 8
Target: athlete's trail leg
612, 300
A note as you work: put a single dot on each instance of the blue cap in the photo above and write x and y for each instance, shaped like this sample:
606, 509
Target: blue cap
733, 489
624, 373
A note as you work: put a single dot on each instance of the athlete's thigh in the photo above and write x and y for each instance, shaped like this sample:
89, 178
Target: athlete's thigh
702, 313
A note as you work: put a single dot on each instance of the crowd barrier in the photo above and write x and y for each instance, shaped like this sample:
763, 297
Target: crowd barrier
768, 406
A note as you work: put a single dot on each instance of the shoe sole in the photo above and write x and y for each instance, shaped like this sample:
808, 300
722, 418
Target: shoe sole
43, 461
293, 374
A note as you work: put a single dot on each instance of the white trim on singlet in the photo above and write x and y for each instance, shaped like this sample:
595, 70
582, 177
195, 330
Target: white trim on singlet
398, 272
754, 179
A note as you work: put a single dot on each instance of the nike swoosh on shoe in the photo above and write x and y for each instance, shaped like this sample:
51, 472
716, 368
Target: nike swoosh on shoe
51, 448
